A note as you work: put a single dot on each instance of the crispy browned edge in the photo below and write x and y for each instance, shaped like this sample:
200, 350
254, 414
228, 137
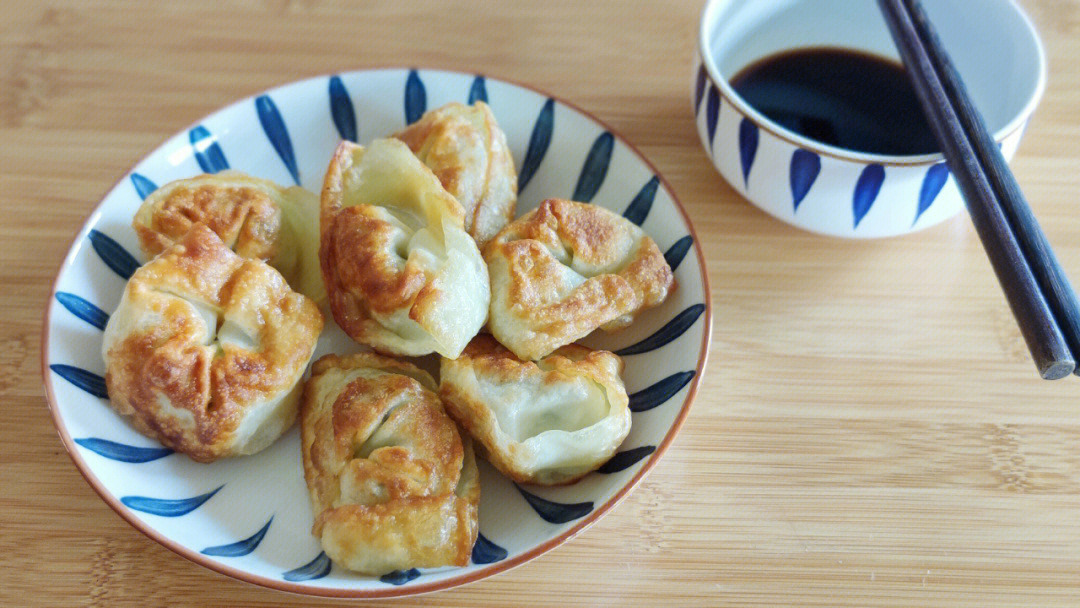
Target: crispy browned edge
497, 567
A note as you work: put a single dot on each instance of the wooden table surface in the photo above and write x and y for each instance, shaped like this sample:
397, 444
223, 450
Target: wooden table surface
870, 430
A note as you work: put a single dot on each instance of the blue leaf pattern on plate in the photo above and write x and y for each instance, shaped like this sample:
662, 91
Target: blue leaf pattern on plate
167, 507
595, 168
143, 185
83, 309
677, 251
239, 548
400, 577
657, 394
931, 186
207, 151
415, 98
316, 568
866, 190
748, 141
122, 452
805, 166
712, 113
699, 88
556, 512
478, 91
673, 329
639, 208
486, 552
625, 459
341, 109
274, 127
87, 381
115, 257
538, 143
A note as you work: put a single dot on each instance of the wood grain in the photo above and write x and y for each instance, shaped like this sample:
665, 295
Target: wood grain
870, 431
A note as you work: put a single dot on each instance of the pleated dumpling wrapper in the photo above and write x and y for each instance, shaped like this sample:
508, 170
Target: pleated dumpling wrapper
393, 483
207, 349
254, 217
567, 268
467, 151
402, 274
546, 422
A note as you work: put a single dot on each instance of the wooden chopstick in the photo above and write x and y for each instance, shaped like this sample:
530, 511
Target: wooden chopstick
1035, 286
1048, 272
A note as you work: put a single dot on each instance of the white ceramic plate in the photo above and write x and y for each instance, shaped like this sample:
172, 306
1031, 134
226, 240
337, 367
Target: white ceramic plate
250, 517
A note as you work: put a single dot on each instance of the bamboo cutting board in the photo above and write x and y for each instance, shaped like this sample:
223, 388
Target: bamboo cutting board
869, 432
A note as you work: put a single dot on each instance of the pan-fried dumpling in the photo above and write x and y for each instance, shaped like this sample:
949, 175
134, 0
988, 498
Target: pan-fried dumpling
401, 273
567, 268
466, 149
546, 422
254, 217
393, 483
207, 349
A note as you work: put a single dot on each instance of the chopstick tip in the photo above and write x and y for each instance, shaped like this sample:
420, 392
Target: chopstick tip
1058, 370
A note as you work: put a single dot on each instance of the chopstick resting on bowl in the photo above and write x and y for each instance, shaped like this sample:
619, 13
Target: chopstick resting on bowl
1039, 293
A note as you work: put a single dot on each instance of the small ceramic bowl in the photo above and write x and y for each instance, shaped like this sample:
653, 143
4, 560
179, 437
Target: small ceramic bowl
842, 192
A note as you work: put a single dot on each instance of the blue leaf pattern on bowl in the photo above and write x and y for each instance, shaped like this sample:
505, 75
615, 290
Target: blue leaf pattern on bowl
673, 329
556, 512
143, 185
400, 577
341, 110
748, 141
699, 88
675, 254
931, 186
712, 113
478, 91
87, 381
538, 143
83, 309
866, 190
316, 568
486, 552
415, 98
115, 257
625, 459
657, 394
167, 507
805, 166
122, 452
639, 208
274, 127
239, 548
595, 168
207, 151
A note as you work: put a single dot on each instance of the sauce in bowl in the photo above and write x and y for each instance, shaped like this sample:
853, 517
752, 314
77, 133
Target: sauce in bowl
844, 98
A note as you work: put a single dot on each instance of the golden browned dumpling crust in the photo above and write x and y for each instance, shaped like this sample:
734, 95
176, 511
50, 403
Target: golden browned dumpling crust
401, 273
254, 217
549, 422
467, 151
393, 483
567, 268
206, 350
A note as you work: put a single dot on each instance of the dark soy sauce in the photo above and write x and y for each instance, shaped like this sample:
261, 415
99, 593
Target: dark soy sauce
839, 97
